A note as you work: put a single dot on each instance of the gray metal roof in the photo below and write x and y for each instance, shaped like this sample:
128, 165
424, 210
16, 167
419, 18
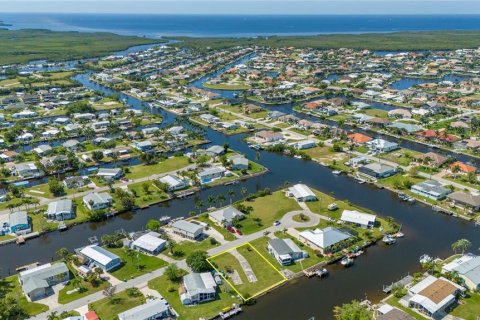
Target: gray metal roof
63, 205
18, 218
283, 246
227, 214
145, 311
195, 283
98, 197
465, 197
36, 278
471, 270
431, 187
187, 226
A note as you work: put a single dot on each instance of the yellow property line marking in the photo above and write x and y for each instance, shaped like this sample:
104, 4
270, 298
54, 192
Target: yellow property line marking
261, 255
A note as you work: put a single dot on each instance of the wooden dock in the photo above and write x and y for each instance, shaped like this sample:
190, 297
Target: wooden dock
401, 283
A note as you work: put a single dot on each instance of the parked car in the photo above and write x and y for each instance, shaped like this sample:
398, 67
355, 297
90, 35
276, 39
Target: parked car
276, 223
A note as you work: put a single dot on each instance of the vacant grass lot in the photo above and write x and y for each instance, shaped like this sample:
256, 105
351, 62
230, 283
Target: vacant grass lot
145, 197
184, 248
268, 209
136, 265
109, 308
239, 109
266, 274
169, 290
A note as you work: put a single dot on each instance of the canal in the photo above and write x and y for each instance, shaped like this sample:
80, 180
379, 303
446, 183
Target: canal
426, 232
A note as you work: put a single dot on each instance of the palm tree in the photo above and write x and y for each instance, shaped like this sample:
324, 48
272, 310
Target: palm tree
244, 191
53, 316
221, 198
199, 205
231, 193
461, 245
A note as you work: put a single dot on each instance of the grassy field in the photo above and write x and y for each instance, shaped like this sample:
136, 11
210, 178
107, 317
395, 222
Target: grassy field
169, 290
136, 265
10, 287
266, 274
402, 157
268, 209
144, 198
239, 109
394, 302
184, 248
431, 40
109, 308
20, 46
376, 113
170, 164
225, 86
469, 307
64, 297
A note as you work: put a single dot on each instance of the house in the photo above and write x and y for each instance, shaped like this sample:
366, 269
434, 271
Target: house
74, 182
285, 251
43, 149
91, 315
173, 182
96, 201
151, 310
364, 220
209, 118
305, 144
26, 170
19, 222
433, 296
187, 229
8, 156
71, 144
143, 146
325, 240
359, 138
37, 282
215, 151
462, 167
60, 210
431, 189
110, 173
210, 174
407, 127
238, 162
381, 145
301, 193
464, 199
268, 136
150, 243
357, 161
377, 170
175, 130
387, 312
198, 288
400, 113
433, 158
225, 216
468, 268
100, 257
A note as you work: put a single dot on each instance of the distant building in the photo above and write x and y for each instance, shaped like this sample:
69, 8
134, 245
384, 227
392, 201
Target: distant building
387, 312
198, 288
74, 182
381, 145
37, 282
464, 199
238, 162
110, 173
269, 136
301, 193
19, 222
305, 144
187, 229
210, 174
285, 251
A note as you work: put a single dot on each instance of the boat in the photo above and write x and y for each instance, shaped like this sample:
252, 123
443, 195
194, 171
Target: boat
388, 239
164, 219
399, 235
425, 259
62, 227
321, 272
20, 240
346, 262
297, 157
332, 207
337, 172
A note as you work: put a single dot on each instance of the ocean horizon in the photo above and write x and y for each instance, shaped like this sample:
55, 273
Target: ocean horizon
158, 25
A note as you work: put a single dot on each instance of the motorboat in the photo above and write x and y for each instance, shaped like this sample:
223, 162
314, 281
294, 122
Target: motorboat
388, 239
425, 259
332, 207
346, 262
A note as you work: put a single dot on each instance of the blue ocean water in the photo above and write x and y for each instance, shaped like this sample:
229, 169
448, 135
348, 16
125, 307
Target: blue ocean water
239, 25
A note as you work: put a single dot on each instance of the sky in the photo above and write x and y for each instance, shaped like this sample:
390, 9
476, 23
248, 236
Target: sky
244, 6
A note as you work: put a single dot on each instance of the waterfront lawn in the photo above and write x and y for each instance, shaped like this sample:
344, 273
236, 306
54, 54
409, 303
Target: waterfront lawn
266, 274
376, 113
239, 110
324, 154
41, 190
468, 308
227, 235
136, 265
261, 245
268, 209
169, 290
144, 198
109, 308
86, 288
226, 86
10, 287
167, 165
184, 248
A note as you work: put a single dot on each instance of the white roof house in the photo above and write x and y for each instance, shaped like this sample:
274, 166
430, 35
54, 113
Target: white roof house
96, 201
100, 257
225, 215
153, 309
365, 220
432, 296
174, 182
199, 287
324, 238
301, 193
150, 243
468, 268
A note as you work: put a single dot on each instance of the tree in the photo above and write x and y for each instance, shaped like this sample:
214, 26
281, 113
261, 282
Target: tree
172, 272
63, 253
55, 187
109, 292
11, 309
53, 316
461, 245
231, 194
352, 311
153, 225
197, 260
97, 155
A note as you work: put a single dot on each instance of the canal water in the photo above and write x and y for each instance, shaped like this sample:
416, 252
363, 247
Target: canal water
406, 83
426, 232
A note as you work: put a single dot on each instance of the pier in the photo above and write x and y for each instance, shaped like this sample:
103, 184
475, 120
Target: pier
401, 283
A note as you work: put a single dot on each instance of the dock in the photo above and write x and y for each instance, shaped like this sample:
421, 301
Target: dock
230, 313
401, 283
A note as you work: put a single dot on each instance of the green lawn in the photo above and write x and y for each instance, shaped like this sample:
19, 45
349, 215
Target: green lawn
87, 289
135, 266
144, 198
169, 290
267, 275
10, 287
376, 113
468, 308
184, 248
402, 157
394, 302
239, 109
109, 308
261, 245
225, 86
170, 164
268, 209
